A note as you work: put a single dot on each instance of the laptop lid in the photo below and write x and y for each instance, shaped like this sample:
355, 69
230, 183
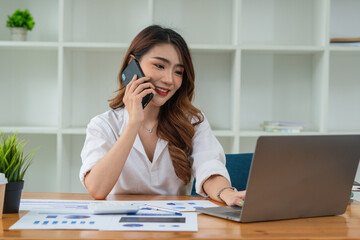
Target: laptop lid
300, 176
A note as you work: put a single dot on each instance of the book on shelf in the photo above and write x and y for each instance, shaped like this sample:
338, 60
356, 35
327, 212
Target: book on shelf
282, 127
356, 187
350, 42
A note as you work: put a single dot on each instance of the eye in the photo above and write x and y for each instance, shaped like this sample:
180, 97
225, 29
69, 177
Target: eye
159, 66
179, 73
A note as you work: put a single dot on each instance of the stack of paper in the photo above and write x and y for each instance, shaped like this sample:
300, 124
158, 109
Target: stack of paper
282, 127
75, 214
356, 187
349, 42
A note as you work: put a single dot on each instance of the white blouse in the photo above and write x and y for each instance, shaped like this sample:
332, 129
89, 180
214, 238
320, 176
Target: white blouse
139, 175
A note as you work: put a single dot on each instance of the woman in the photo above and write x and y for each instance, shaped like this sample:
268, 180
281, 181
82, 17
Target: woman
157, 149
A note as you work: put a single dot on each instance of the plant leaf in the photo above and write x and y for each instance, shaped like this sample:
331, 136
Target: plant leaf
14, 163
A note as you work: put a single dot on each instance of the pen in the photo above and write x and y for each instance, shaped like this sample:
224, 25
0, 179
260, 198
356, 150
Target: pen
165, 210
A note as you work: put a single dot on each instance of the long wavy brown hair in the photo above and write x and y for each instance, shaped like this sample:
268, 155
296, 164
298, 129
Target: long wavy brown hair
177, 117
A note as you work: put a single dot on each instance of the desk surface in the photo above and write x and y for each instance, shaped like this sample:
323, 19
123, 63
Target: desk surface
346, 226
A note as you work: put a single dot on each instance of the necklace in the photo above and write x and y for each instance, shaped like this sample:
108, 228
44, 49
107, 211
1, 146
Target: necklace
149, 130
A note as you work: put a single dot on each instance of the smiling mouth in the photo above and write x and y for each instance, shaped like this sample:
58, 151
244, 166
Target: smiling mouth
162, 91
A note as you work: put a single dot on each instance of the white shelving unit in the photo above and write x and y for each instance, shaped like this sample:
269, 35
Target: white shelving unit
255, 60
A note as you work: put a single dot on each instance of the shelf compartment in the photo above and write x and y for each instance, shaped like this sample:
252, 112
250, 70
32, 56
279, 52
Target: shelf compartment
257, 133
213, 78
98, 46
247, 144
344, 19
344, 49
28, 45
28, 87
71, 163
212, 48
281, 87
115, 21
41, 175
344, 98
283, 22
213, 24
225, 133
45, 14
283, 49
74, 131
227, 143
28, 130
90, 80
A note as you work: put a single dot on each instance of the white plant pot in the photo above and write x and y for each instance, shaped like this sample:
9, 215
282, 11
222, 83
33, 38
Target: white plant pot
18, 33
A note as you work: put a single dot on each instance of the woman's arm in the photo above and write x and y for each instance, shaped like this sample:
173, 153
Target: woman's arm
102, 177
214, 184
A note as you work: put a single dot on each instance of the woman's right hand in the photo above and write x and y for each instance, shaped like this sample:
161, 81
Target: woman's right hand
114, 160
135, 91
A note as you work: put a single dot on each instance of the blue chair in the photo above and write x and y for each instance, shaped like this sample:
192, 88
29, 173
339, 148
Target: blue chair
238, 166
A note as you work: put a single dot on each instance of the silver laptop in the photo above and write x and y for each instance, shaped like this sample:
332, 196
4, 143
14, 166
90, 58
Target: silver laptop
297, 177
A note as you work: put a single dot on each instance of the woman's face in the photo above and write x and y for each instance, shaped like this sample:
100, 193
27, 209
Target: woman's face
163, 65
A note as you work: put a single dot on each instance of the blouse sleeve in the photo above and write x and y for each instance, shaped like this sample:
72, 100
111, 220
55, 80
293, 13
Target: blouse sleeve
208, 156
99, 140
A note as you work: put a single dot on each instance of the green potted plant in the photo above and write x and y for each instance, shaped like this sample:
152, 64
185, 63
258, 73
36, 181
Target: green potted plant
13, 163
19, 23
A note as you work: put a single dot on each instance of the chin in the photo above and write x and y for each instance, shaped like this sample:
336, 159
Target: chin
157, 103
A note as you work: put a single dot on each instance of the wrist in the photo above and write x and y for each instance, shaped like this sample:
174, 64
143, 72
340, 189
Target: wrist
225, 192
134, 124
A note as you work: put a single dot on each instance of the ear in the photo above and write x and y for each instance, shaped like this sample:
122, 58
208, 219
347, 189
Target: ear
131, 57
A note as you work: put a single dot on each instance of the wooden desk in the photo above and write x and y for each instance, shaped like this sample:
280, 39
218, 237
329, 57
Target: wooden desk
346, 226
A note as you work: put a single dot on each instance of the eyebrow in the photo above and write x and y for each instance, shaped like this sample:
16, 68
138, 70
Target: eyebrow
168, 62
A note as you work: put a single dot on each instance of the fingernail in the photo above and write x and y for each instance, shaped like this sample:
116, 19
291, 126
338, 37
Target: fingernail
134, 75
148, 76
241, 203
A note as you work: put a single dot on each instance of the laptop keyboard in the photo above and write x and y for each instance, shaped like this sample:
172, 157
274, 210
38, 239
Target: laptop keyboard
230, 211
234, 213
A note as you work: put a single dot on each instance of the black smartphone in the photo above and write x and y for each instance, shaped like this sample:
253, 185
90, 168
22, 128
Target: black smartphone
127, 75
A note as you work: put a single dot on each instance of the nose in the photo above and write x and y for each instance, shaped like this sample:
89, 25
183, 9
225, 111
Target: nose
168, 78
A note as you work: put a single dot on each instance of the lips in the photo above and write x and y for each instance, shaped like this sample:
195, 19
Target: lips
162, 91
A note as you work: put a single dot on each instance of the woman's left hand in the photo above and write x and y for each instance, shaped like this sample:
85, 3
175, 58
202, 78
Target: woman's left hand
232, 198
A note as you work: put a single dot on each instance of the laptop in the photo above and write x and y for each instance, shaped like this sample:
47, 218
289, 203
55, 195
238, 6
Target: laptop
297, 177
